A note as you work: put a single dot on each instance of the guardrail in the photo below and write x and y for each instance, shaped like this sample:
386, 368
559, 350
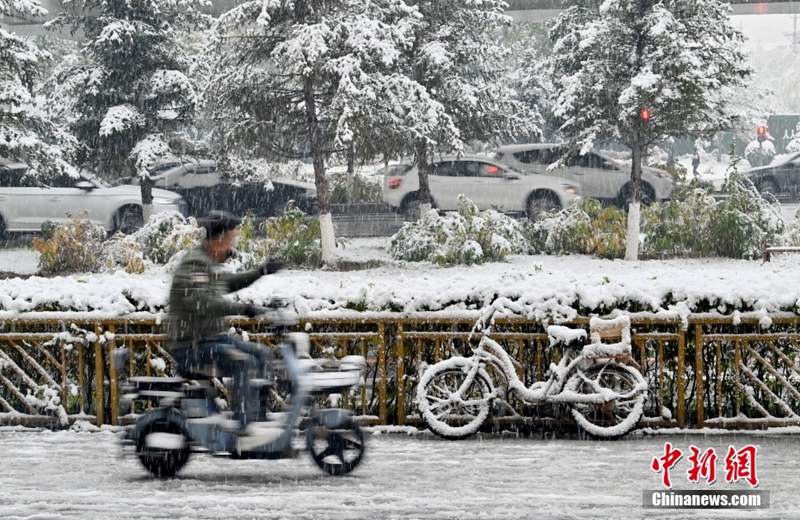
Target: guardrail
51, 370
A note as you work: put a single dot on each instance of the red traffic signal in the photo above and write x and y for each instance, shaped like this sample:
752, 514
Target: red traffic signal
645, 114
761, 132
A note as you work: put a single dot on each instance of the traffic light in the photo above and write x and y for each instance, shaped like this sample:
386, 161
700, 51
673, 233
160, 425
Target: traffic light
645, 114
761, 132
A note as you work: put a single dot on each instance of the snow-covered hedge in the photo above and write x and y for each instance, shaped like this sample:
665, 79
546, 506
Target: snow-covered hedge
759, 155
466, 236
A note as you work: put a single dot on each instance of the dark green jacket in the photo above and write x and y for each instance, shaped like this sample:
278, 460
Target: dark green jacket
197, 309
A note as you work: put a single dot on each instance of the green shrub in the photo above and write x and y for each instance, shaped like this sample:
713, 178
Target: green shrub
696, 224
583, 227
361, 190
165, 235
466, 236
290, 237
75, 247
678, 227
742, 219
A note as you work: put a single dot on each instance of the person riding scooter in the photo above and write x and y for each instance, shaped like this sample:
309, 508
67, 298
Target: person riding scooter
197, 337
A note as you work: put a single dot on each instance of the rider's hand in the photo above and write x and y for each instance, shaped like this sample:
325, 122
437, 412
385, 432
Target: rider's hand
271, 266
251, 311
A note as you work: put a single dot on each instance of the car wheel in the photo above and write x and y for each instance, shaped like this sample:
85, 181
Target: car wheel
128, 219
539, 203
768, 186
2, 229
648, 195
409, 208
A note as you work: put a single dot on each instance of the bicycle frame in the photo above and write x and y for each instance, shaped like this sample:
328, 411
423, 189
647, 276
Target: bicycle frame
492, 353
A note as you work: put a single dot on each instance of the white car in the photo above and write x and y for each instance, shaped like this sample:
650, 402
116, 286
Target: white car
26, 202
486, 182
599, 176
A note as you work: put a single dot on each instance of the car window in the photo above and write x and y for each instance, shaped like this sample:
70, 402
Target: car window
16, 179
470, 168
444, 169
62, 181
528, 156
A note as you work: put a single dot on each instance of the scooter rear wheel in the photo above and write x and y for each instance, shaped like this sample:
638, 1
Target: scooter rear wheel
336, 450
162, 448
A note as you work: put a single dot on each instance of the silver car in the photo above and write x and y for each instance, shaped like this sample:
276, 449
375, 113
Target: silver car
486, 182
599, 176
26, 202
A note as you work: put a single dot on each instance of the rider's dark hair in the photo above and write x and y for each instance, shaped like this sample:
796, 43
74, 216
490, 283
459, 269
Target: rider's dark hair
218, 222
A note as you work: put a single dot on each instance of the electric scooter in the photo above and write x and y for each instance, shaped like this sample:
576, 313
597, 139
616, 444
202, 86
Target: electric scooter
187, 419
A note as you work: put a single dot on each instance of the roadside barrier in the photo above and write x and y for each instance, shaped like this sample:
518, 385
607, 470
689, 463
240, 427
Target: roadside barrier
56, 371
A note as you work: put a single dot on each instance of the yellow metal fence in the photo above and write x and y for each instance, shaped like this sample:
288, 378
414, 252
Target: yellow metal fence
704, 372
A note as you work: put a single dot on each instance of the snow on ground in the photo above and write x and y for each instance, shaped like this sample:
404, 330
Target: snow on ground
540, 287
79, 475
19, 261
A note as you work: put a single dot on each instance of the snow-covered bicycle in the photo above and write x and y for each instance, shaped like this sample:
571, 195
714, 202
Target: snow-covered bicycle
606, 396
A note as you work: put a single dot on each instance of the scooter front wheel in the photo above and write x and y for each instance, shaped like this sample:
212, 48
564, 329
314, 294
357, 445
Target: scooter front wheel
163, 449
336, 450
448, 413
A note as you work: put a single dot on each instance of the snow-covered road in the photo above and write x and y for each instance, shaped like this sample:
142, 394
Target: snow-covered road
56, 475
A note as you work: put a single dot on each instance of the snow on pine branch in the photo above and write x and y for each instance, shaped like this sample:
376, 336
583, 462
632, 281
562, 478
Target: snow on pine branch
119, 119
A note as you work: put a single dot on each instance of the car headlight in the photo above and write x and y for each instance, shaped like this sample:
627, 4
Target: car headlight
165, 201
572, 190
663, 175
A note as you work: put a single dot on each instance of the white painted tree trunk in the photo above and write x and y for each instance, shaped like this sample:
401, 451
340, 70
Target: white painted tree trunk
424, 209
632, 244
328, 240
147, 212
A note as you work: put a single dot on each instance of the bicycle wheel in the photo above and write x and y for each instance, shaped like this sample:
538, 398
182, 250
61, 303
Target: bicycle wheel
617, 416
447, 413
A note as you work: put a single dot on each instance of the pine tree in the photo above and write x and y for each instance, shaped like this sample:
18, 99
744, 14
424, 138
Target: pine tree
306, 79
130, 98
637, 71
462, 70
26, 134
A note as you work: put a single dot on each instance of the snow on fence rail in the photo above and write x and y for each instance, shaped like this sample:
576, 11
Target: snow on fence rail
51, 370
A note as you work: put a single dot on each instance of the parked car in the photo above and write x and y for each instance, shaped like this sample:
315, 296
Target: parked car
486, 182
599, 176
27, 202
204, 188
781, 178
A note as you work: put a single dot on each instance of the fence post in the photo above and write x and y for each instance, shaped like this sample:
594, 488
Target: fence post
382, 372
113, 375
401, 378
681, 376
100, 391
698, 345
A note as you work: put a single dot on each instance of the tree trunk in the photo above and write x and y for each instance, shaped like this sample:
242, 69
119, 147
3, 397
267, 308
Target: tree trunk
351, 169
327, 236
634, 204
424, 193
146, 184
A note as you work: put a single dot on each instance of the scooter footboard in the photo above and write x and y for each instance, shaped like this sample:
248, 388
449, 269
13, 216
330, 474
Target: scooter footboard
333, 418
